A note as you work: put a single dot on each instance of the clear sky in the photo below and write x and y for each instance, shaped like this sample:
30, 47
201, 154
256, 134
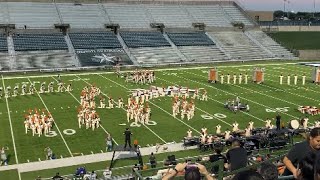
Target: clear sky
291, 5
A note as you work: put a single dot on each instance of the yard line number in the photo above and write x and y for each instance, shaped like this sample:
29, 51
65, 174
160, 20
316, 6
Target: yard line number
284, 109
68, 132
217, 115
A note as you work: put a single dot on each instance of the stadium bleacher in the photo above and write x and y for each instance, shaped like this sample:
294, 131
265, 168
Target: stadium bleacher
155, 55
31, 14
136, 40
190, 39
144, 39
236, 15
239, 46
271, 45
94, 40
128, 16
211, 15
39, 41
82, 16
3, 43
170, 15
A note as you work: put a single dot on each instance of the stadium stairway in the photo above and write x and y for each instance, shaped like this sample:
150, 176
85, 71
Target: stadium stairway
127, 50
266, 41
218, 45
92, 158
71, 50
259, 44
183, 57
11, 52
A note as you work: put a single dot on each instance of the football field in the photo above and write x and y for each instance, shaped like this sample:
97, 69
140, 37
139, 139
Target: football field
66, 139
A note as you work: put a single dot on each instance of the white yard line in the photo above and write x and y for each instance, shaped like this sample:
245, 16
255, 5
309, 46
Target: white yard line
125, 110
235, 95
79, 103
165, 69
301, 86
154, 105
288, 91
56, 125
219, 103
10, 122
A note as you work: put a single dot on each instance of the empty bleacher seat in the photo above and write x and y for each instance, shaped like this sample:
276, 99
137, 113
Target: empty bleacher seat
170, 15
82, 16
31, 14
155, 55
144, 39
39, 41
239, 46
94, 40
3, 43
198, 54
271, 45
190, 39
236, 15
210, 15
128, 15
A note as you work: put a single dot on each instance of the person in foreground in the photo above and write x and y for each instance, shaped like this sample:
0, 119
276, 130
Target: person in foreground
192, 173
300, 151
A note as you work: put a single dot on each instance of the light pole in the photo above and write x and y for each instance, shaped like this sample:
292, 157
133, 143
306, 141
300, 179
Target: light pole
314, 8
284, 8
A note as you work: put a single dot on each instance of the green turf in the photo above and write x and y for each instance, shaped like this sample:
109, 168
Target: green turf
265, 101
9, 174
297, 40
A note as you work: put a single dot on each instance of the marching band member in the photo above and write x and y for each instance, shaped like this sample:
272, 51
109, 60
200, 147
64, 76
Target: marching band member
295, 79
222, 78
189, 134
268, 123
227, 135
235, 127
246, 78
234, 79
281, 79
251, 125
240, 78
305, 123
69, 88
50, 87
42, 87
247, 132
24, 89
218, 129
128, 113
60, 86
110, 102
33, 128
8, 91
120, 102
204, 131
228, 79
102, 103
288, 79
26, 125
15, 90
203, 139
303, 79
204, 96
196, 94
